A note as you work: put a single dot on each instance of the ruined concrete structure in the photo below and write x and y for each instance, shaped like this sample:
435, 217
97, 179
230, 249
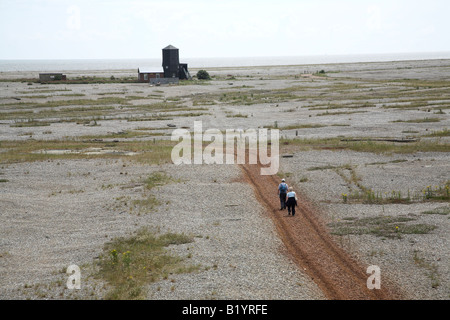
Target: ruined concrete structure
51, 77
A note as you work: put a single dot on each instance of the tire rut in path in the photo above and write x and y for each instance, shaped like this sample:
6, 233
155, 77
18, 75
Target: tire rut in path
336, 273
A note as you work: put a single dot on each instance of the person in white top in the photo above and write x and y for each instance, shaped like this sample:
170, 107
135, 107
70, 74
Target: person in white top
291, 201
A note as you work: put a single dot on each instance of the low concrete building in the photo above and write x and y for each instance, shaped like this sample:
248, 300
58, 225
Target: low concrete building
52, 77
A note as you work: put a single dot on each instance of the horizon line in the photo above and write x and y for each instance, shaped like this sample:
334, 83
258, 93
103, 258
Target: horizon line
240, 57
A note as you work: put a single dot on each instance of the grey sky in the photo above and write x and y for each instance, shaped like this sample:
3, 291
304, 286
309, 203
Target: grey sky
63, 29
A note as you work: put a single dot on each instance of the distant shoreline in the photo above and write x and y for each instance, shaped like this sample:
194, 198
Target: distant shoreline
279, 71
196, 63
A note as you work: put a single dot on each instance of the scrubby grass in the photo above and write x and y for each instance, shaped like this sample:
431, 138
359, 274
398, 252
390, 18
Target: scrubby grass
338, 113
389, 148
203, 101
156, 152
345, 105
244, 97
403, 94
30, 123
377, 147
236, 115
150, 118
92, 80
42, 90
369, 196
296, 126
425, 120
128, 264
254, 97
194, 82
237, 87
380, 226
431, 268
379, 197
146, 205
72, 102
360, 193
422, 84
320, 73
442, 133
385, 162
57, 114
111, 93
157, 179
326, 167
129, 134
160, 106
22, 114
150, 202
440, 211
86, 113
437, 193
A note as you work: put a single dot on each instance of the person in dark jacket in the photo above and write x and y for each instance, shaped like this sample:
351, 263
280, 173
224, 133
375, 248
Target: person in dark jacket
291, 201
282, 192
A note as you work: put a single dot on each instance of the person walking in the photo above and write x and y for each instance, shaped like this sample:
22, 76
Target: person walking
291, 201
282, 192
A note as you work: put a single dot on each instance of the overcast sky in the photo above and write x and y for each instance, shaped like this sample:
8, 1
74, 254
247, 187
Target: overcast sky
102, 29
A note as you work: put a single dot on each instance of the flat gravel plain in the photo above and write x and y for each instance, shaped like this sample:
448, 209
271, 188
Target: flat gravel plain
61, 211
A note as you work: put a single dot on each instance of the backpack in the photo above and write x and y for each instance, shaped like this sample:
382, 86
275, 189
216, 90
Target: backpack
283, 187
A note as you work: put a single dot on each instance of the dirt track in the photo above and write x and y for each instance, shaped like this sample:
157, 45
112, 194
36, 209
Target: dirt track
335, 272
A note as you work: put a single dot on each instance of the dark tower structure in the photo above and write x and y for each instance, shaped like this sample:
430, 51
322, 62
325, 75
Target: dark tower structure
171, 62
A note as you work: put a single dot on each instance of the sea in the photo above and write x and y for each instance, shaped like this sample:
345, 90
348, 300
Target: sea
155, 63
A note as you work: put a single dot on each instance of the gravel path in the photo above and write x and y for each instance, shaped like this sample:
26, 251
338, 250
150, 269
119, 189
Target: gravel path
339, 276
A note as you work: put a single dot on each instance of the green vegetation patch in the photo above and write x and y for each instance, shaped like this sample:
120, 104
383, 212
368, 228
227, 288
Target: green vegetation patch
425, 120
338, 113
442, 133
149, 201
440, 211
156, 152
366, 195
255, 97
73, 102
377, 147
236, 115
146, 205
380, 226
157, 179
296, 126
431, 269
128, 264
30, 123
